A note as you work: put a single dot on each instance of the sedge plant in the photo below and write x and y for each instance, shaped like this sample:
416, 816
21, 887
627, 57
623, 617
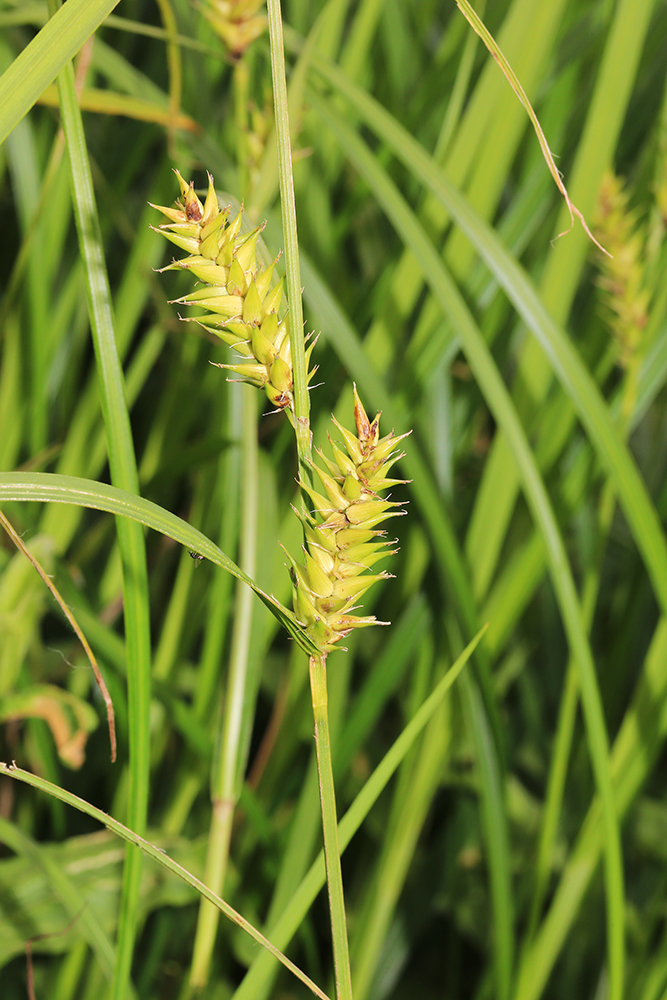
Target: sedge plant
342, 537
505, 873
344, 500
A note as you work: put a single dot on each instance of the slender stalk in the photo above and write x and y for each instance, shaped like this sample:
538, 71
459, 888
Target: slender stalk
124, 475
241, 93
292, 268
225, 781
318, 690
318, 683
570, 699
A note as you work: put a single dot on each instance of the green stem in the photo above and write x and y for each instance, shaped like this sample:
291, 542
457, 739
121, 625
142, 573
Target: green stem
122, 465
226, 767
570, 700
292, 268
318, 690
241, 88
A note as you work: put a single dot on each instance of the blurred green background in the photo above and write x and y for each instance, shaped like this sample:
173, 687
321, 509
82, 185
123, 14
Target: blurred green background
531, 370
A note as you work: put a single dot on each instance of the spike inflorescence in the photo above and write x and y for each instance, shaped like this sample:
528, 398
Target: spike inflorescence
342, 536
242, 307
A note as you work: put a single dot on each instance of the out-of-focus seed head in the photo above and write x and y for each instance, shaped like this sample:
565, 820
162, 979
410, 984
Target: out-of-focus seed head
625, 297
236, 22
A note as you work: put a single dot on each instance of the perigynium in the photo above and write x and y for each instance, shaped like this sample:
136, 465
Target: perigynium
342, 540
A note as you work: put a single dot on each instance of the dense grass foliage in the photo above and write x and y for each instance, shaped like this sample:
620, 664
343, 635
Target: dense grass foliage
515, 848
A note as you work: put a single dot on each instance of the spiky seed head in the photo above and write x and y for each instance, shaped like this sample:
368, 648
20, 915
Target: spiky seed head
342, 540
241, 307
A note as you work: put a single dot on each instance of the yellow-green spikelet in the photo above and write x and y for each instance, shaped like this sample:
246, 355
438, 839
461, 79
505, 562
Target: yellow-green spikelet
236, 22
623, 270
242, 306
342, 537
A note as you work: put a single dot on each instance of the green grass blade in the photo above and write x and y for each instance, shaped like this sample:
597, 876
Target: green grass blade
292, 269
415, 790
41, 61
494, 819
567, 364
124, 474
157, 854
238, 705
288, 923
500, 403
220, 592
86, 493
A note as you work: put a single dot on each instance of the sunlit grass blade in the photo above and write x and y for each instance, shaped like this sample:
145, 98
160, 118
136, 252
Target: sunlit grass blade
564, 358
41, 61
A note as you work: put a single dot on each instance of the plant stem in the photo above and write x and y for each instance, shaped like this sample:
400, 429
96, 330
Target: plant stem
123, 468
318, 690
228, 761
318, 677
292, 269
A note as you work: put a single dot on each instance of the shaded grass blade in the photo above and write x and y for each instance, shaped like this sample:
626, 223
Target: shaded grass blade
157, 854
70, 896
501, 405
634, 752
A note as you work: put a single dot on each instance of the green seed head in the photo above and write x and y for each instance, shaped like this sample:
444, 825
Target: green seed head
241, 307
342, 540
